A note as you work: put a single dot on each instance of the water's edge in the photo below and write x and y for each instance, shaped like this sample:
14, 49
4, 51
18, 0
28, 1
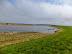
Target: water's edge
28, 28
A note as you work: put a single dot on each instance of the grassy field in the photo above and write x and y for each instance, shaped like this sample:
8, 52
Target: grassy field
60, 43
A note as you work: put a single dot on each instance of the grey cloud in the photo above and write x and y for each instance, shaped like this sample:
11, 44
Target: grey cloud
27, 11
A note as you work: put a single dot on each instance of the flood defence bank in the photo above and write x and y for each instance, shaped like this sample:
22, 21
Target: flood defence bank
59, 43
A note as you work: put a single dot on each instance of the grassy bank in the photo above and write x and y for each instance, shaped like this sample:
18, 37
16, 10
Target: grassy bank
8, 38
60, 43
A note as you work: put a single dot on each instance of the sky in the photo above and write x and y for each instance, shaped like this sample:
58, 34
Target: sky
57, 12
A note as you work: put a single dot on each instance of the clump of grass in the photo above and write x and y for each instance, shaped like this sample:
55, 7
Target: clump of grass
60, 43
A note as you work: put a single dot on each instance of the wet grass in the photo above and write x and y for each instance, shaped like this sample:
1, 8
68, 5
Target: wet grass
60, 43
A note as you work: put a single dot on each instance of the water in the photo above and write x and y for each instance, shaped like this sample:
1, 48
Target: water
27, 28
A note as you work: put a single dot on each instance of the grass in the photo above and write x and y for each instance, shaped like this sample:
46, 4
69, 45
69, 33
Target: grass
60, 43
8, 38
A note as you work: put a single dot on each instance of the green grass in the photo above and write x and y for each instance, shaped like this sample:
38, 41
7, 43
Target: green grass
60, 43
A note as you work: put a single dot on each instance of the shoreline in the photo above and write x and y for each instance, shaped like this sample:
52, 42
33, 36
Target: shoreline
9, 38
13, 24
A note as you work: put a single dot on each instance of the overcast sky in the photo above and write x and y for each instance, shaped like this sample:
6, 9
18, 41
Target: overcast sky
58, 12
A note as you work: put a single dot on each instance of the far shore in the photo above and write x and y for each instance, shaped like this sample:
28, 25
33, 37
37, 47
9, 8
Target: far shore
13, 24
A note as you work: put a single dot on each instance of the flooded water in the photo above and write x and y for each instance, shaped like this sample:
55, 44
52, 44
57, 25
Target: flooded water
27, 28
